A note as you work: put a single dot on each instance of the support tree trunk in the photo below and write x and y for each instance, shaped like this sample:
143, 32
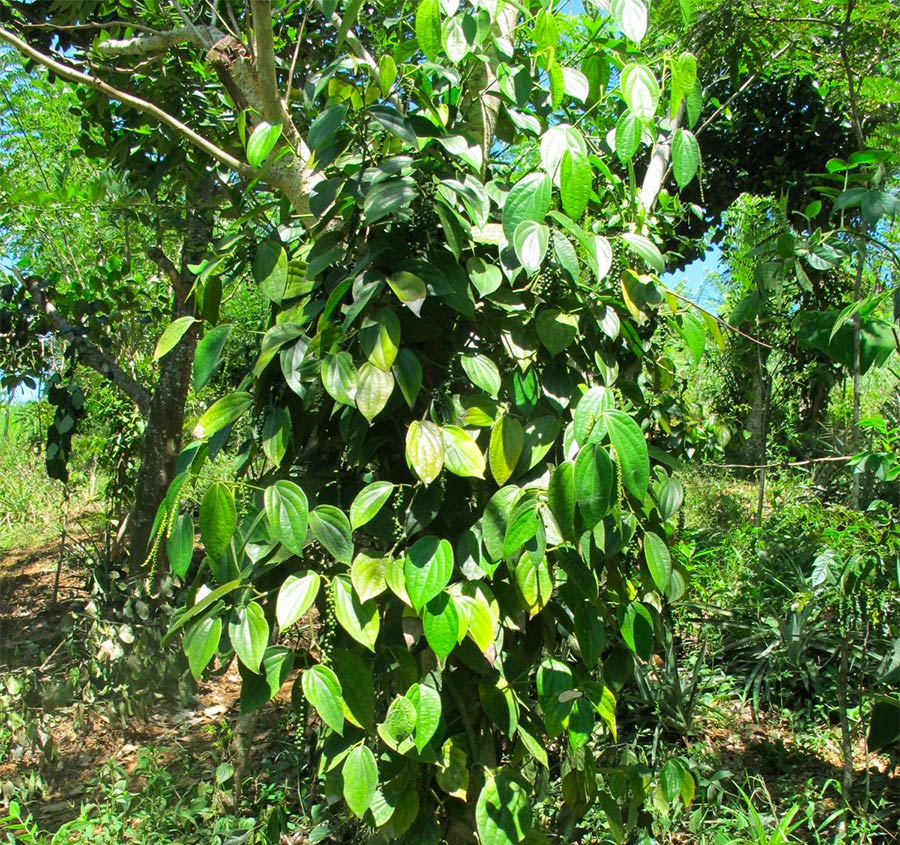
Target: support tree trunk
165, 421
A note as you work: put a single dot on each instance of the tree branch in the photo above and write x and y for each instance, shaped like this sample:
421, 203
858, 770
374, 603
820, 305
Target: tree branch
72, 75
88, 354
264, 48
659, 164
143, 45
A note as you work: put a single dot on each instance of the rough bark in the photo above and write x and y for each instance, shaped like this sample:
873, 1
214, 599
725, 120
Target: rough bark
165, 421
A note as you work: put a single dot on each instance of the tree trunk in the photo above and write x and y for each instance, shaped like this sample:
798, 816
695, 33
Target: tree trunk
165, 422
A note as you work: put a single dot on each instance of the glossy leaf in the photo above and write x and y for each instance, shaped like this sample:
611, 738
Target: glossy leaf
462, 455
208, 355
575, 184
427, 569
589, 422
528, 199
631, 451
628, 136
368, 502
248, 632
218, 518
407, 372
594, 475
287, 512
180, 544
503, 813
340, 378
556, 329
330, 526
276, 434
360, 775
368, 576
359, 619
685, 157
659, 562
483, 373
562, 499
410, 290
379, 338
646, 250
428, 28
507, 442
530, 241
631, 16
173, 333
425, 450
322, 690
221, 414
295, 597
373, 390
427, 702
640, 90
441, 623
261, 142
201, 643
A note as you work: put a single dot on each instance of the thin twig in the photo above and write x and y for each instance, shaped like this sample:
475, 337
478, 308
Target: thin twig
720, 320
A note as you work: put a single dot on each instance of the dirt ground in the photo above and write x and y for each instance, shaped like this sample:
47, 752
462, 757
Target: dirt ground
77, 740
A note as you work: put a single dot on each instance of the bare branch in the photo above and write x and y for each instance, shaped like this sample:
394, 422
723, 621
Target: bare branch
88, 354
72, 75
659, 164
142, 45
724, 323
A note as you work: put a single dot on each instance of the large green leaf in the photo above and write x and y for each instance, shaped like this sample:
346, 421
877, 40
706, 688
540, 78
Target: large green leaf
173, 333
685, 156
374, 387
287, 512
659, 562
876, 339
360, 775
359, 619
322, 689
427, 702
368, 502
594, 476
340, 377
640, 90
631, 17
295, 597
575, 184
218, 518
562, 499
261, 142
389, 196
589, 423
645, 249
428, 28
180, 544
208, 355
441, 625
507, 442
201, 643
503, 812
462, 455
379, 338
528, 199
369, 576
590, 633
628, 136
556, 329
408, 374
357, 683
530, 241
482, 372
410, 290
636, 626
222, 413
427, 568
631, 450
248, 631
425, 450
270, 269
276, 435
330, 526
